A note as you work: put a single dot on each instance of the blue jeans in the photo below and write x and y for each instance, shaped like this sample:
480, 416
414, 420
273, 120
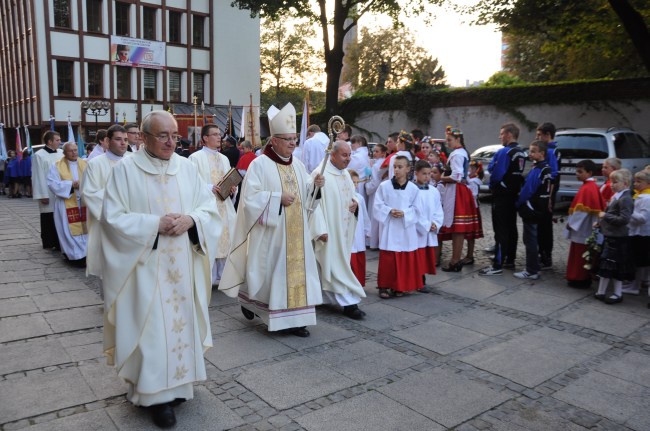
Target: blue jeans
530, 241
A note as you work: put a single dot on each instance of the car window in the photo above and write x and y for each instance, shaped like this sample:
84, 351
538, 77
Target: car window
630, 146
582, 146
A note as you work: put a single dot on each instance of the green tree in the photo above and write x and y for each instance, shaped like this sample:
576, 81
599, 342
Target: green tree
336, 18
565, 39
286, 57
292, 95
389, 58
502, 78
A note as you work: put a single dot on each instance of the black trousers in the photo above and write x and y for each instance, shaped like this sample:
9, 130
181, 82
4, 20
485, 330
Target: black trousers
504, 221
48, 232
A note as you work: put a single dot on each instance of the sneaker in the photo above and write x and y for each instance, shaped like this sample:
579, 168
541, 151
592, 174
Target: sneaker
508, 265
526, 276
490, 271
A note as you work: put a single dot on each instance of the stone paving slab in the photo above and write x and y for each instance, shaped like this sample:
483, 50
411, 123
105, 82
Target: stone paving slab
322, 333
633, 367
293, 382
204, 412
531, 301
533, 419
76, 318
381, 316
610, 321
485, 322
22, 327
103, 380
63, 300
55, 286
375, 366
474, 288
17, 306
371, 411
444, 396
440, 337
41, 393
614, 398
97, 420
235, 349
32, 355
535, 357
425, 304
12, 290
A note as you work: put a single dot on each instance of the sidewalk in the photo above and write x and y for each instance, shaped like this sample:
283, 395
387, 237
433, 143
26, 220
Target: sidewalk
481, 353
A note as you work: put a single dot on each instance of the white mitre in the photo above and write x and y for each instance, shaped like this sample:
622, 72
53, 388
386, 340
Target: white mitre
282, 122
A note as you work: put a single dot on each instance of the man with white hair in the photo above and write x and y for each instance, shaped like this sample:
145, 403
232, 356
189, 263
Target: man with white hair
69, 213
271, 266
340, 210
160, 232
93, 185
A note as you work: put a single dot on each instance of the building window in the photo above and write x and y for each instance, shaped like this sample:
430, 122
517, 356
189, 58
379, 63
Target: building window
149, 23
175, 26
123, 75
122, 19
199, 78
95, 80
62, 13
64, 77
198, 30
94, 15
174, 86
150, 84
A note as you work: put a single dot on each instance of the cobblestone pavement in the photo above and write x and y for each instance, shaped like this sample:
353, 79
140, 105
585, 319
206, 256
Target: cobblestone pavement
493, 353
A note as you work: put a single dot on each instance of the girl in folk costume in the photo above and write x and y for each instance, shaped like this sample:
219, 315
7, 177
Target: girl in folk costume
358, 256
430, 219
640, 231
425, 148
609, 165
404, 148
376, 177
615, 261
474, 183
395, 209
583, 213
461, 215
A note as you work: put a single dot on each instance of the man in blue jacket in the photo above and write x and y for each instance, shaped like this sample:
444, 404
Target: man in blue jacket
546, 133
506, 179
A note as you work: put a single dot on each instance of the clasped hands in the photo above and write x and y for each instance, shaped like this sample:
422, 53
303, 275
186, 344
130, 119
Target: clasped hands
396, 213
175, 224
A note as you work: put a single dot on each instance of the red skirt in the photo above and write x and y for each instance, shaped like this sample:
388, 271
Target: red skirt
575, 269
358, 264
467, 217
399, 270
427, 257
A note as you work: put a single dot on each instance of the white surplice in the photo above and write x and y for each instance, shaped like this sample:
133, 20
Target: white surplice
212, 167
74, 247
92, 188
271, 266
363, 227
96, 152
42, 161
397, 234
360, 163
430, 212
371, 188
156, 287
313, 150
340, 224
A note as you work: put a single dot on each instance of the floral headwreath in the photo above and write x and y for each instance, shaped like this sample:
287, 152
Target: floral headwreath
478, 165
453, 131
405, 137
426, 139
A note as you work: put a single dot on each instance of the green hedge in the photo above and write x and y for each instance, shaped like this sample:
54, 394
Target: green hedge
418, 102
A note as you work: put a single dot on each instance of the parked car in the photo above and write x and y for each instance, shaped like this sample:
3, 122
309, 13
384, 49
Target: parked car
598, 144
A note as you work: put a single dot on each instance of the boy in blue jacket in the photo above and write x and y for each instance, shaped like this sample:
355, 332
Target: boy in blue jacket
532, 206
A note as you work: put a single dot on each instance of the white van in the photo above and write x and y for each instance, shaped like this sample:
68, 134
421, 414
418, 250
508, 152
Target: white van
597, 145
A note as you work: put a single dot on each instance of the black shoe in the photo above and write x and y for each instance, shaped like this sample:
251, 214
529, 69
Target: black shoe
600, 296
298, 332
177, 402
613, 299
425, 289
163, 415
456, 267
247, 313
353, 312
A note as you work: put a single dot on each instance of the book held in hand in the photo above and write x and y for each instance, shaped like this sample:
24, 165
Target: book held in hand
232, 178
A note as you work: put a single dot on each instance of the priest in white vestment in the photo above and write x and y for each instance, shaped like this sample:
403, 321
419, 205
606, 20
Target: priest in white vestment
42, 161
101, 146
69, 214
212, 167
333, 248
313, 151
93, 185
271, 266
160, 233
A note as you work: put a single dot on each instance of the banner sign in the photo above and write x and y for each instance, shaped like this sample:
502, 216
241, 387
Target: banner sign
127, 51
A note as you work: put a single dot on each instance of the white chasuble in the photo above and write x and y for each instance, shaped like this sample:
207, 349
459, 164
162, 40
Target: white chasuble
340, 225
271, 266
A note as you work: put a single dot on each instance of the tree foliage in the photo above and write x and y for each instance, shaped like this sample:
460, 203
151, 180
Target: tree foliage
553, 40
388, 58
293, 95
503, 78
336, 18
286, 57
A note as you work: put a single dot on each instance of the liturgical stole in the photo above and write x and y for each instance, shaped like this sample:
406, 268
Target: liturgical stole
75, 213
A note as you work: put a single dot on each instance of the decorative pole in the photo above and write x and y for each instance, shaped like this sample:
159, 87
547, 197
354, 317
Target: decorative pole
335, 125
251, 122
194, 101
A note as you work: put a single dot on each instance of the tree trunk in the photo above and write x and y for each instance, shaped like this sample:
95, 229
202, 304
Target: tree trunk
636, 28
333, 68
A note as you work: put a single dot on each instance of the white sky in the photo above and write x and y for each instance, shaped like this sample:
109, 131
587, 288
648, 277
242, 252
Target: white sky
466, 52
